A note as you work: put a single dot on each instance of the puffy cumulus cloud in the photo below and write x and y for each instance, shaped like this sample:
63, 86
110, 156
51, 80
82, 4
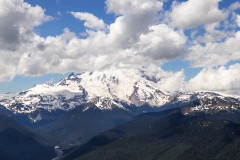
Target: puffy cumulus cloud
134, 17
216, 43
17, 21
128, 41
215, 53
63, 53
91, 21
161, 42
221, 79
193, 13
67, 52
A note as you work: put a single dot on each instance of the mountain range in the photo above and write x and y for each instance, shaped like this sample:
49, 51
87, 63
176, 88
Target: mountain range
74, 111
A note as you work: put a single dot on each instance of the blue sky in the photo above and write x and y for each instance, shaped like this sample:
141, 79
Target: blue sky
65, 20
193, 44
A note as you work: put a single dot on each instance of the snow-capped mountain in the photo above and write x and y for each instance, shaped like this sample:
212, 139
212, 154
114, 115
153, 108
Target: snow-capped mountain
114, 86
211, 103
86, 104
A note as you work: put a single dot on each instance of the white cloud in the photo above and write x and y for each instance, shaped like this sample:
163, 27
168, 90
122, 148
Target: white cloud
128, 41
161, 42
65, 52
133, 6
234, 6
137, 37
193, 13
215, 53
134, 18
17, 21
173, 81
167, 81
213, 34
8, 63
221, 79
91, 21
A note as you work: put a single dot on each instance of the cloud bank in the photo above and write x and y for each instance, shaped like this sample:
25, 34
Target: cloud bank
221, 79
127, 41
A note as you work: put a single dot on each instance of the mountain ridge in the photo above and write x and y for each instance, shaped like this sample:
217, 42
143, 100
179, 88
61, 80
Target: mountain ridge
164, 135
114, 87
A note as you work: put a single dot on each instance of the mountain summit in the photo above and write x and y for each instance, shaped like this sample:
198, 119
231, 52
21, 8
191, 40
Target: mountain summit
116, 86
